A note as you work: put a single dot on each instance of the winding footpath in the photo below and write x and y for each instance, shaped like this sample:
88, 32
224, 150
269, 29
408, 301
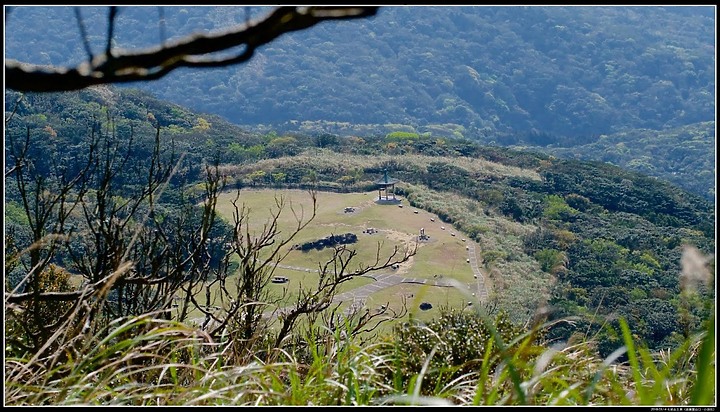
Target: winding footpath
359, 295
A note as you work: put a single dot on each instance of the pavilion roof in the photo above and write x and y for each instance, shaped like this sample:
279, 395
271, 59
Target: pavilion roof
386, 180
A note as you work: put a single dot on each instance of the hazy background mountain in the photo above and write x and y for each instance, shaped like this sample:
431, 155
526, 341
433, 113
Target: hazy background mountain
569, 78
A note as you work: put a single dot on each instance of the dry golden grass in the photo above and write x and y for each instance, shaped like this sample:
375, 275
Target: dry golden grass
340, 163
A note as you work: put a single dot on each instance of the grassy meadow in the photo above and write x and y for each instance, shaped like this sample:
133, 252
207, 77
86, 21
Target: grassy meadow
443, 256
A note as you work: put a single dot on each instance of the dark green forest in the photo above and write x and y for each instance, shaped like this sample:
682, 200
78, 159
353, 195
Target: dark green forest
684, 155
588, 82
573, 72
611, 239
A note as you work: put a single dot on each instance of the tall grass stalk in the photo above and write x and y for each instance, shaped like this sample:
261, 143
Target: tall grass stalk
147, 360
703, 392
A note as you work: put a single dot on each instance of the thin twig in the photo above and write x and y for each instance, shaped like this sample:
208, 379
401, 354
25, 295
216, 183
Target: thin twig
83, 33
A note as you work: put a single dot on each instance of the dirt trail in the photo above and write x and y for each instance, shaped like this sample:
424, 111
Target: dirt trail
385, 280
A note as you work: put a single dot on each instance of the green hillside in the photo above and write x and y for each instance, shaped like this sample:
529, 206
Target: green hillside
143, 241
573, 72
557, 78
684, 155
576, 231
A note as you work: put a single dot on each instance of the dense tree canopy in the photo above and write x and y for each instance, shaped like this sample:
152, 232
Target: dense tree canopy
597, 83
569, 74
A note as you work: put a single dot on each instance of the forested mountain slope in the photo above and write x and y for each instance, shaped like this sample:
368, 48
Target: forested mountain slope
586, 239
568, 71
684, 155
553, 77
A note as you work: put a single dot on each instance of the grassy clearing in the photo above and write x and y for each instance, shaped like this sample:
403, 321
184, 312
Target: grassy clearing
444, 255
516, 284
412, 295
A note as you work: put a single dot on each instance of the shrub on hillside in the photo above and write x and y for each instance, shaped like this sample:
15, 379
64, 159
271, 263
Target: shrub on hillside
455, 343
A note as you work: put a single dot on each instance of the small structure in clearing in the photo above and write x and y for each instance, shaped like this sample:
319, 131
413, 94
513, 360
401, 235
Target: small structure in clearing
386, 185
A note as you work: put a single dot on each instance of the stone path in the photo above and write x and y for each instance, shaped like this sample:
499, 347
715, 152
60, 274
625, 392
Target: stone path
482, 293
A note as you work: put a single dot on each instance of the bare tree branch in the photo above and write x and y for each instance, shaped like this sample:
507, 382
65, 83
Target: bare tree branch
111, 28
191, 51
83, 33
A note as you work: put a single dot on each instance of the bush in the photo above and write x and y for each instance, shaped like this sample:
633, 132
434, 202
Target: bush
33, 323
456, 341
399, 136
